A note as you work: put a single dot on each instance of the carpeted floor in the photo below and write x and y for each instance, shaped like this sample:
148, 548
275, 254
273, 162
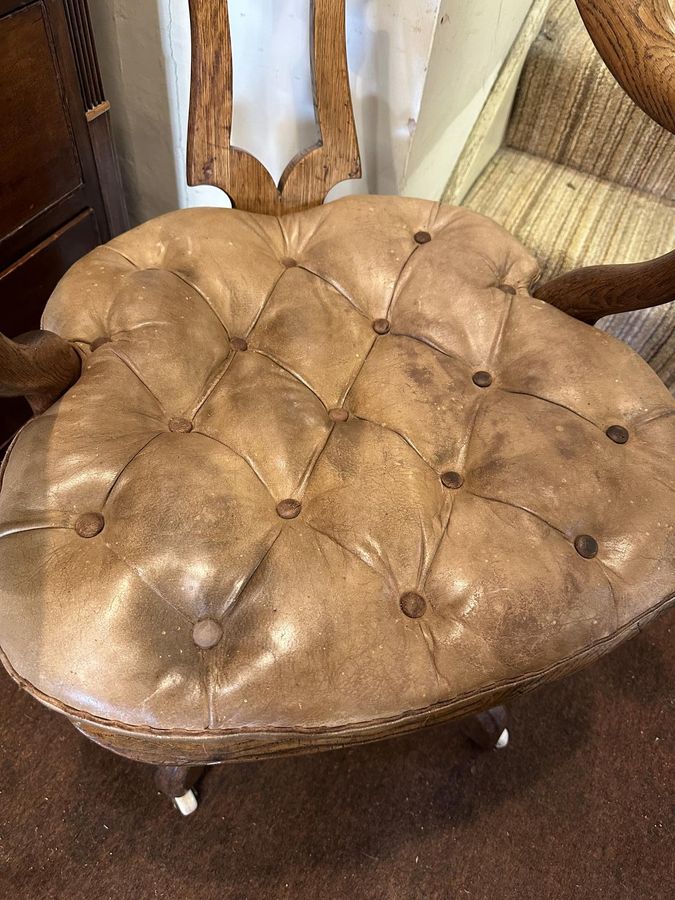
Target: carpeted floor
579, 806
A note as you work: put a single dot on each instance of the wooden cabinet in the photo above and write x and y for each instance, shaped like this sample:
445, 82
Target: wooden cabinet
60, 190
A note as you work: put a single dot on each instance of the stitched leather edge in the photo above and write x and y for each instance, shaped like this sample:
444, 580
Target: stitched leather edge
463, 703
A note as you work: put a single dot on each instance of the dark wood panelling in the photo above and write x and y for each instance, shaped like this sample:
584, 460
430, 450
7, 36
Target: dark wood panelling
25, 287
108, 168
81, 36
60, 190
38, 155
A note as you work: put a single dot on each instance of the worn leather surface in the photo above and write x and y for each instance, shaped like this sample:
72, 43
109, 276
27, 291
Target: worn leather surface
264, 510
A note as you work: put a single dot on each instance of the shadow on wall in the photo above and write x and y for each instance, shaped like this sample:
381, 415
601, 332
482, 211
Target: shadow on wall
369, 57
130, 47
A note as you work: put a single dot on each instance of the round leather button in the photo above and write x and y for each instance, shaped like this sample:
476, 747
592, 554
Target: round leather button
289, 509
413, 605
586, 546
180, 425
288, 262
482, 379
99, 342
422, 237
207, 633
507, 288
618, 434
239, 344
381, 326
89, 525
338, 415
452, 480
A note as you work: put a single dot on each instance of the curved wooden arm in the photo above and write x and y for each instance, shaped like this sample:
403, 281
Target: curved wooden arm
39, 366
636, 39
597, 291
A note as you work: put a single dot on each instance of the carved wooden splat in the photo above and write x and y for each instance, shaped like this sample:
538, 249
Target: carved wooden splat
311, 173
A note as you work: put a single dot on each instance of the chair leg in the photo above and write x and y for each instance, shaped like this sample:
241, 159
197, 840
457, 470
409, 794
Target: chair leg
488, 729
177, 783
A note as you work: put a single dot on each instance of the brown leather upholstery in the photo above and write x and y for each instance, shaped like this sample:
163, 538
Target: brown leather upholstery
325, 478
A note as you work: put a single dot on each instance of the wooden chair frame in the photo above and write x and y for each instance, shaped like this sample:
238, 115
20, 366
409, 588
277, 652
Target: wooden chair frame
636, 39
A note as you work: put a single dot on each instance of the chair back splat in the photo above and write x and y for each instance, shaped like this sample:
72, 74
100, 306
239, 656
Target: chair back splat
311, 173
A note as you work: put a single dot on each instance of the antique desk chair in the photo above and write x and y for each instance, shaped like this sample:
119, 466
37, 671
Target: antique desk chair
303, 476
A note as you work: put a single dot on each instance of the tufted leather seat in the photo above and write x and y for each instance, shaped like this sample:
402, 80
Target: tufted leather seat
322, 479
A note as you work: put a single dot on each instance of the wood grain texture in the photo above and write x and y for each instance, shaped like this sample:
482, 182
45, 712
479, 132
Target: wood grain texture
636, 39
311, 173
174, 781
39, 366
591, 293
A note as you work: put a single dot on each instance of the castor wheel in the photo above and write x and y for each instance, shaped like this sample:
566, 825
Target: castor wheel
187, 804
178, 784
488, 729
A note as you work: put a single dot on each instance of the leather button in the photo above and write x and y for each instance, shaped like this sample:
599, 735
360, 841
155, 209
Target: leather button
381, 326
618, 434
482, 379
413, 605
452, 480
239, 344
289, 509
288, 262
507, 288
422, 237
338, 415
180, 425
586, 546
99, 342
89, 525
207, 633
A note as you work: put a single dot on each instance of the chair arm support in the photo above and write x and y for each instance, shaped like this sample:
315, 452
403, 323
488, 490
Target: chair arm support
39, 366
591, 293
636, 39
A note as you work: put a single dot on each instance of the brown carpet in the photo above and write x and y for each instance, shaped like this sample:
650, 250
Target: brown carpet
580, 805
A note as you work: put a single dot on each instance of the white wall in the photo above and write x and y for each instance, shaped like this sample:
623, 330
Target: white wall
144, 50
470, 45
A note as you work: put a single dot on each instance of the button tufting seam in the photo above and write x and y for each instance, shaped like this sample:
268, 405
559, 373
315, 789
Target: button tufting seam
248, 462
290, 372
149, 586
217, 377
394, 293
127, 464
399, 434
383, 575
335, 287
464, 455
430, 344
430, 643
525, 509
198, 292
552, 402
123, 359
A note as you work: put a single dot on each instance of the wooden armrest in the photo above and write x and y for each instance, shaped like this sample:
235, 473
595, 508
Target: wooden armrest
39, 366
636, 39
597, 291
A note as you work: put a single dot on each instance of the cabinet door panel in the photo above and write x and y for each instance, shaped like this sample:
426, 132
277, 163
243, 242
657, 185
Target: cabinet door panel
39, 160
